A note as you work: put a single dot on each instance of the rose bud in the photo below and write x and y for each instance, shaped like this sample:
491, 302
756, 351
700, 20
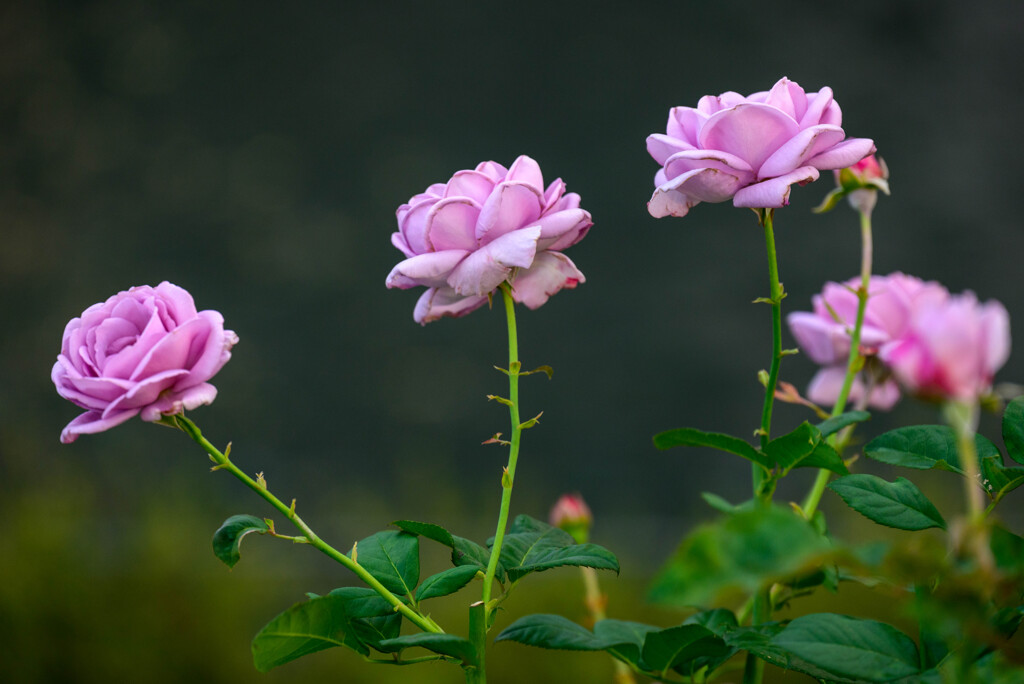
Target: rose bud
572, 514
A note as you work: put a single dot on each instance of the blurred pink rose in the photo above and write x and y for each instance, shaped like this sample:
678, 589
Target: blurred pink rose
952, 348
824, 334
144, 351
749, 149
462, 239
572, 514
570, 509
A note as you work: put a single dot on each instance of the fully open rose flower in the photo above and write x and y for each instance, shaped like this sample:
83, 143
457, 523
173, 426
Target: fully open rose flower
463, 238
144, 351
952, 348
824, 334
749, 149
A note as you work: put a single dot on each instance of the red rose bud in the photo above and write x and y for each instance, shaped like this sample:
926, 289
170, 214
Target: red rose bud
572, 514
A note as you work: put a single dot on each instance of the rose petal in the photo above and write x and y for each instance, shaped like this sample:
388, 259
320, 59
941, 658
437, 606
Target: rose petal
451, 224
798, 149
551, 272
684, 124
828, 383
510, 206
475, 185
399, 241
527, 171
184, 400
668, 201
178, 301
413, 225
789, 97
708, 184
573, 236
773, 193
146, 391
750, 131
846, 153
437, 303
817, 337
817, 104
661, 146
492, 170
556, 225
431, 269
208, 353
486, 268
91, 422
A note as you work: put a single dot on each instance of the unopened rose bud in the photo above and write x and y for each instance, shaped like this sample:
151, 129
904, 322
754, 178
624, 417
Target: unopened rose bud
572, 514
859, 184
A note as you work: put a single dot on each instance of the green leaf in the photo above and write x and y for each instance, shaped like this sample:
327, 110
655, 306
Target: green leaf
1013, 429
690, 437
738, 554
834, 424
553, 632
998, 480
723, 506
533, 546
619, 638
464, 551
228, 537
672, 648
758, 640
804, 448
393, 558
373, 630
850, 647
923, 447
317, 624
446, 582
1008, 550
898, 504
449, 645
623, 639
428, 530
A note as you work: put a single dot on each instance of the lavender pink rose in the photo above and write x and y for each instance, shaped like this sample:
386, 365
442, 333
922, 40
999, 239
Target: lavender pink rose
145, 351
749, 149
485, 226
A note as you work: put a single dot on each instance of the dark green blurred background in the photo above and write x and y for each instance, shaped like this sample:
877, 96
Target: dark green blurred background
255, 153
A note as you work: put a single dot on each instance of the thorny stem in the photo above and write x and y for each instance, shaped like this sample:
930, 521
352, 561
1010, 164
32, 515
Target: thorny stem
963, 418
855, 358
507, 479
222, 462
776, 294
753, 671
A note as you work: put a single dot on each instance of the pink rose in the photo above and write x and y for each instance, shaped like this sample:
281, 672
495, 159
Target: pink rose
462, 239
952, 348
749, 149
824, 334
144, 351
570, 511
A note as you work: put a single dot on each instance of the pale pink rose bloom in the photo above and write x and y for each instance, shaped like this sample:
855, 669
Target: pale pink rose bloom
143, 351
951, 349
750, 149
824, 334
485, 226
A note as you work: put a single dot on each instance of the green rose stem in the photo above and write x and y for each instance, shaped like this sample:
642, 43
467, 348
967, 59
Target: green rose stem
775, 299
853, 365
963, 418
478, 675
753, 671
222, 462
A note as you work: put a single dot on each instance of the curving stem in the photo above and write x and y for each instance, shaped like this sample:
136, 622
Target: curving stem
222, 462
